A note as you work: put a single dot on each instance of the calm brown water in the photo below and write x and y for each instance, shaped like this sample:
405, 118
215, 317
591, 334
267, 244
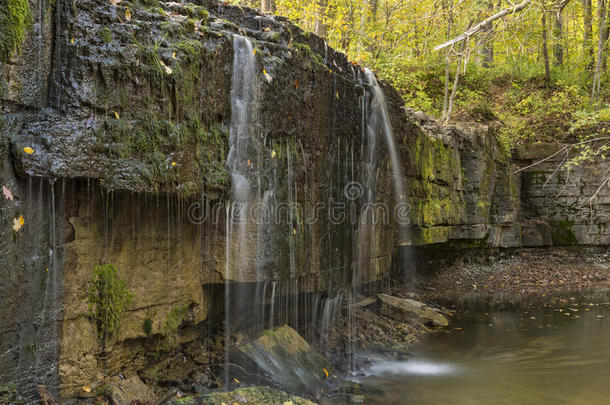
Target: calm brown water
509, 351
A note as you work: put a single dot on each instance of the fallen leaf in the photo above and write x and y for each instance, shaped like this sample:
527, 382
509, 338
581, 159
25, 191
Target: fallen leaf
174, 55
273, 154
168, 70
294, 231
267, 76
7, 193
17, 224
296, 84
326, 372
254, 51
86, 388
72, 40
236, 380
28, 150
266, 29
173, 163
249, 162
21, 220
116, 115
128, 14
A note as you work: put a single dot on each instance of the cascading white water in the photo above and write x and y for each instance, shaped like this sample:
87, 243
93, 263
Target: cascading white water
379, 118
242, 164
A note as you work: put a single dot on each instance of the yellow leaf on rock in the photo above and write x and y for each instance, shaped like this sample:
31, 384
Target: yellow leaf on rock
28, 150
128, 14
116, 115
236, 380
168, 70
86, 388
326, 372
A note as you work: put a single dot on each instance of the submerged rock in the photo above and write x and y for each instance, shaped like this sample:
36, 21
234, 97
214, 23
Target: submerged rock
127, 391
287, 359
250, 395
405, 309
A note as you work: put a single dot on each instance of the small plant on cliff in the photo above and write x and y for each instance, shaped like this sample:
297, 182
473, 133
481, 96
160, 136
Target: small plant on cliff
108, 299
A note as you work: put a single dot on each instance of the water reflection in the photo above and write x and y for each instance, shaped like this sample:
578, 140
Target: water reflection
506, 350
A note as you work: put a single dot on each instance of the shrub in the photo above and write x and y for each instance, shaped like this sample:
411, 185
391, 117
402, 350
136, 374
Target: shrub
108, 299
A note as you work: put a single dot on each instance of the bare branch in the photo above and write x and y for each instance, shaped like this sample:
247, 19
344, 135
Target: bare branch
472, 31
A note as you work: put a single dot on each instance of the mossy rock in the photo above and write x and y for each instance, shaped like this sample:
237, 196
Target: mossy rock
250, 395
15, 18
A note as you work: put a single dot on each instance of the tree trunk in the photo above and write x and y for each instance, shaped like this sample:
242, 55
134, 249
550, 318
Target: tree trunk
587, 40
268, 6
558, 37
487, 50
447, 5
600, 51
320, 25
545, 51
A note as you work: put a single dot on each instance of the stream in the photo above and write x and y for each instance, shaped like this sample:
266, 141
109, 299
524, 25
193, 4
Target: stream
505, 350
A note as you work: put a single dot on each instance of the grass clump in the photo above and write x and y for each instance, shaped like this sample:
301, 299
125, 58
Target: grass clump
108, 299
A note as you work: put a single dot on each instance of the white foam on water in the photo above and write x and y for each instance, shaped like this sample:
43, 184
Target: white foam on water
410, 367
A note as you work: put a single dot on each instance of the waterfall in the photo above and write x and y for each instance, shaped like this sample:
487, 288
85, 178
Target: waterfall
242, 164
379, 121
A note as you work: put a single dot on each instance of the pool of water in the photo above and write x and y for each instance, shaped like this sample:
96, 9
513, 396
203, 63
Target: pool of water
504, 350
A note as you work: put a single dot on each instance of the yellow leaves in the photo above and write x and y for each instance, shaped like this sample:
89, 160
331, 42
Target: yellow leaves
254, 51
273, 154
173, 163
86, 388
72, 40
294, 231
267, 76
266, 29
116, 115
7, 193
249, 163
173, 55
168, 70
326, 372
18, 223
28, 150
337, 95
236, 380
128, 14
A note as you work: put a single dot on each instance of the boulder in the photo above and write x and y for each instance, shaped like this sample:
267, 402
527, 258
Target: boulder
132, 389
405, 309
249, 395
287, 359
